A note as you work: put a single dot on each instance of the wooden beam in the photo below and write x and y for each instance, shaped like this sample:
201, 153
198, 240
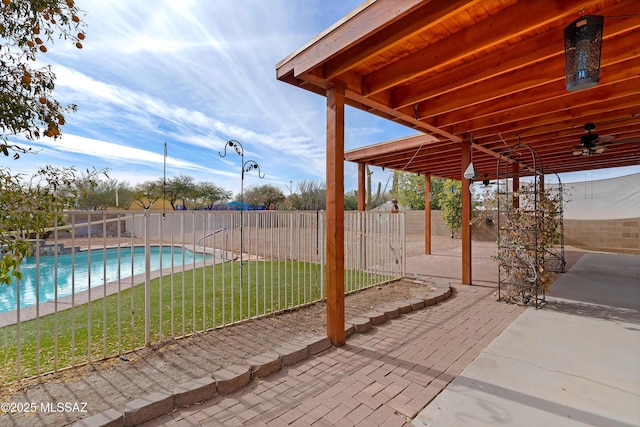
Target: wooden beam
384, 149
497, 29
619, 65
541, 100
401, 158
502, 61
335, 214
350, 31
510, 59
555, 122
466, 215
409, 119
425, 16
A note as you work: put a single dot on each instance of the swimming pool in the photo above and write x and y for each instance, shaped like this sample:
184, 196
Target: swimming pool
100, 272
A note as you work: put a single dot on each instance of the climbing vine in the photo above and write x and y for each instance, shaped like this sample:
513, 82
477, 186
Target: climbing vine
527, 237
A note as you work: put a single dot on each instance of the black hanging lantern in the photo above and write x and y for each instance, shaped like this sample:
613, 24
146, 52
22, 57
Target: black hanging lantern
582, 48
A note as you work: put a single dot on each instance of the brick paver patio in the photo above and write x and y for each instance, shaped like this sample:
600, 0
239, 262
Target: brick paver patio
382, 377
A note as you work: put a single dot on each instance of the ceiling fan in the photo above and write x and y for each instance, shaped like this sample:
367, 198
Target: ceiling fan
591, 143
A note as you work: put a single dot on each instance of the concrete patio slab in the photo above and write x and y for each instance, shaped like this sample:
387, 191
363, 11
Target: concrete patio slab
573, 363
602, 278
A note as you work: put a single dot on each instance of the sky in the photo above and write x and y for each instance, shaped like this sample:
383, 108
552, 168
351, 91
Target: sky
195, 74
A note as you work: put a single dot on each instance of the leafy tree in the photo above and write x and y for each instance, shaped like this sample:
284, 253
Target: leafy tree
28, 108
29, 207
147, 193
437, 185
290, 203
410, 191
452, 205
125, 195
351, 200
104, 194
27, 105
181, 187
264, 195
211, 194
98, 195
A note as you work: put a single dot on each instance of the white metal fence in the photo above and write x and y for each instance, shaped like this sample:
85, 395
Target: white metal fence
106, 283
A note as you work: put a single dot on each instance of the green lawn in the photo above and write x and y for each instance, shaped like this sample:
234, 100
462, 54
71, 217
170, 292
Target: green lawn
201, 301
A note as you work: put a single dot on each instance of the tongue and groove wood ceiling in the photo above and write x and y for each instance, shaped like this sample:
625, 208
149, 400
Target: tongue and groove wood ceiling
490, 72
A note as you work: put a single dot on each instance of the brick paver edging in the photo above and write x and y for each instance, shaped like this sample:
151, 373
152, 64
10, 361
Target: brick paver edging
234, 377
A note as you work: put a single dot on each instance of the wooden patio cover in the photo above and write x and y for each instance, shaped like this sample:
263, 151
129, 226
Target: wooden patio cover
471, 78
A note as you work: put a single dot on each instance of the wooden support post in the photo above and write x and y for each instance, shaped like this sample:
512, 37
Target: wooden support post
427, 213
362, 206
466, 216
362, 200
335, 214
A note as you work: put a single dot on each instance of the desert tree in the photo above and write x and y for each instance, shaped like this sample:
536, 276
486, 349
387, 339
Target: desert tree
181, 187
147, 193
29, 110
210, 194
263, 195
312, 195
30, 206
27, 104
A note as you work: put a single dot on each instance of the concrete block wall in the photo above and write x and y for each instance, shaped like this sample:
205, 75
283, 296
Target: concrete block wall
618, 235
415, 225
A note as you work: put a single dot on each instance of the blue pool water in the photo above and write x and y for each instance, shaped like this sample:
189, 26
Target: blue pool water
98, 273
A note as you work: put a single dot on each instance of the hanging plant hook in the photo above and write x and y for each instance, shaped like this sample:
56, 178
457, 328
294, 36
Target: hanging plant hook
237, 147
250, 165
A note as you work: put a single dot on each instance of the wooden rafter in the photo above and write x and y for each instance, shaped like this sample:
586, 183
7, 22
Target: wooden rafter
493, 71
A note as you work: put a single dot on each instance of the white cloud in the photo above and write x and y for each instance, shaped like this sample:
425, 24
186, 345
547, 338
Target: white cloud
117, 153
194, 74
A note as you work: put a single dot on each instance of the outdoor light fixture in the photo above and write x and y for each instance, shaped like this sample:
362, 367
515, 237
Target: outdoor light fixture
582, 51
471, 172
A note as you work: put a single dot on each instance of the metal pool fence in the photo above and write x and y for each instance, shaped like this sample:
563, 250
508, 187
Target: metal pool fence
100, 285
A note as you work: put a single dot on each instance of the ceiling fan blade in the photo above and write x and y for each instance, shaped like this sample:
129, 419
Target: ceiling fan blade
603, 138
625, 141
